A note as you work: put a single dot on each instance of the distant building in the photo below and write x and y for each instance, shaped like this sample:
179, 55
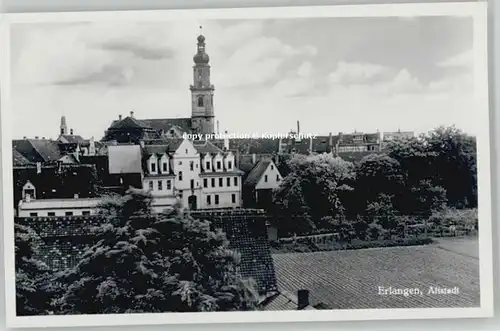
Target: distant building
390, 136
29, 207
259, 184
132, 130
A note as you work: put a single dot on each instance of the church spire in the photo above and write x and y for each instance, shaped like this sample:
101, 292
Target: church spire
201, 57
63, 127
202, 91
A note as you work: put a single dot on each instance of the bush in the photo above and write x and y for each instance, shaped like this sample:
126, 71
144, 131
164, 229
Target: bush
461, 219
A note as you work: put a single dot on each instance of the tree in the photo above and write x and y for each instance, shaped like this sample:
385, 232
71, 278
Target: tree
427, 198
376, 174
313, 189
455, 165
381, 212
150, 263
32, 295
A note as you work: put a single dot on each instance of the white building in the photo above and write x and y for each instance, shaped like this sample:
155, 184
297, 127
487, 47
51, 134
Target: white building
260, 182
199, 173
29, 207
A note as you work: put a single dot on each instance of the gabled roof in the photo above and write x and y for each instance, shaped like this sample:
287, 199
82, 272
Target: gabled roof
155, 150
70, 139
206, 147
250, 146
129, 122
18, 159
165, 124
37, 150
257, 172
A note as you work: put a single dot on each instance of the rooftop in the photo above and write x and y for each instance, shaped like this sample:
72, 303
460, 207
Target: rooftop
351, 279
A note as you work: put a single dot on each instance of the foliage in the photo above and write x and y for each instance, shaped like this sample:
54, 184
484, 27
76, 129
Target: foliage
313, 189
32, 293
146, 263
378, 174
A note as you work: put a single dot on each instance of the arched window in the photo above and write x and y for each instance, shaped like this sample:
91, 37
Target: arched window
200, 101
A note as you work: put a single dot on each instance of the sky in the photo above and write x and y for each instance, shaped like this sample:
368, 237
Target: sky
331, 74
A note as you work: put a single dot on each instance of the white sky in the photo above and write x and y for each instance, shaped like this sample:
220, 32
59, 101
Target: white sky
331, 74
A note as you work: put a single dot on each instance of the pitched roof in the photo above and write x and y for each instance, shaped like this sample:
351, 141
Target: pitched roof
70, 139
349, 279
256, 173
247, 234
155, 150
204, 147
164, 124
129, 122
125, 159
283, 300
37, 150
18, 159
250, 146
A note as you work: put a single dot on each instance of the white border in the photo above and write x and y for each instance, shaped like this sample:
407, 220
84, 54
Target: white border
477, 10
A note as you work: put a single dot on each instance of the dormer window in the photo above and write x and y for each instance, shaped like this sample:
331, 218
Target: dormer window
153, 166
219, 165
165, 167
229, 165
29, 191
207, 165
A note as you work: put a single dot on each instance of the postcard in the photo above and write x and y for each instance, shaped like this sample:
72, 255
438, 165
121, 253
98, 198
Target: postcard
321, 163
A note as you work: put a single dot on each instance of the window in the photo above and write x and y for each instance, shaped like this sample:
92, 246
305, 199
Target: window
229, 164
180, 163
172, 132
200, 101
216, 199
277, 178
221, 182
160, 185
68, 213
186, 150
169, 184
33, 214
272, 167
150, 185
192, 183
233, 198
180, 175
51, 213
209, 199
207, 165
153, 167
265, 178
180, 194
205, 182
228, 181
191, 165
164, 166
213, 182
85, 213
218, 165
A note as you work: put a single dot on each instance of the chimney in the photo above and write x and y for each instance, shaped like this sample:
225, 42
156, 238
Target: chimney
71, 131
298, 127
310, 145
303, 299
217, 126
36, 137
120, 117
254, 158
25, 137
132, 114
76, 196
226, 141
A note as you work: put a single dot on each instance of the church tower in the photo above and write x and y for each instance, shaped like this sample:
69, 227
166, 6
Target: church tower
202, 92
63, 128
